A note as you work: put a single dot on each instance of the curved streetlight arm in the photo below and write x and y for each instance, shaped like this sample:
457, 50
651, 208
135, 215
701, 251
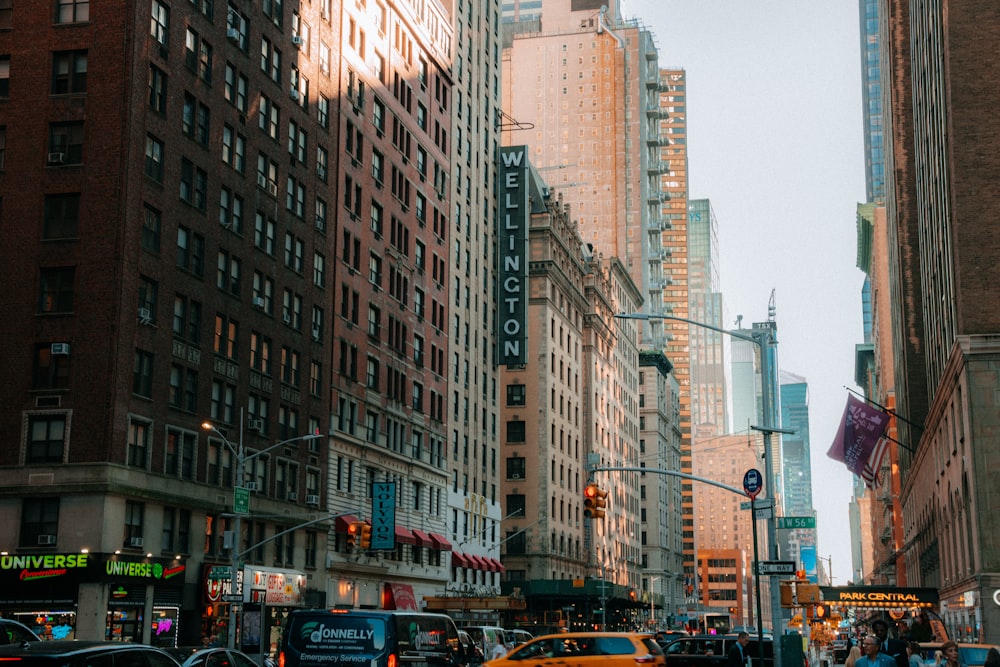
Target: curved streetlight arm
250, 457
646, 317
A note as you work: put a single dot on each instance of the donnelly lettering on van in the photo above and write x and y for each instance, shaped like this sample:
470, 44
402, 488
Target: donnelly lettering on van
324, 633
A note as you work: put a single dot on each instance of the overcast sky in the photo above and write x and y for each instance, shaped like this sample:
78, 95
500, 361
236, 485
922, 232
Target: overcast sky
775, 142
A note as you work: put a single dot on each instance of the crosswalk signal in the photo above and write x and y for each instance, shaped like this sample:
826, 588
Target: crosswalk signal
353, 533
594, 501
366, 536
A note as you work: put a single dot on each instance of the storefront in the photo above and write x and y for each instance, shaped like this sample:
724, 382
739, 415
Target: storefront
94, 596
268, 595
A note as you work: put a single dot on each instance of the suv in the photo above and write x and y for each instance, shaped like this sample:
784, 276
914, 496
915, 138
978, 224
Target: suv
75, 653
12, 632
711, 650
586, 649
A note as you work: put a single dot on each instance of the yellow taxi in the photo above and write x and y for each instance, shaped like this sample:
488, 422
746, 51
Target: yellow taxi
586, 649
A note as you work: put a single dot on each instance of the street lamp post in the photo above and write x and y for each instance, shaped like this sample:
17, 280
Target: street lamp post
652, 603
763, 338
241, 460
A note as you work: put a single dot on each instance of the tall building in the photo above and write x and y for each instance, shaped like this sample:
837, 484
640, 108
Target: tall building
608, 127
299, 157
709, 411
798, 544
571, 399
475, 463
724, 531
944, 308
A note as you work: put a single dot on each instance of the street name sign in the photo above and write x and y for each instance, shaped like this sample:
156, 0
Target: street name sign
796, 522
232, 597
221, 572
776, 567
757, 504
241, 500
765, 512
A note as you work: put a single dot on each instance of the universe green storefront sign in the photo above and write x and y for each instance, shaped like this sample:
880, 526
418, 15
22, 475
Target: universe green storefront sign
20, 572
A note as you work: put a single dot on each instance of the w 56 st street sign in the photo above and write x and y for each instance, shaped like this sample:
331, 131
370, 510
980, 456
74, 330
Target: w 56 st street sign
796, 522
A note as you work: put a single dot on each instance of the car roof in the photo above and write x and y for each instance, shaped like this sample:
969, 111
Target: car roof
572, 635
57, 647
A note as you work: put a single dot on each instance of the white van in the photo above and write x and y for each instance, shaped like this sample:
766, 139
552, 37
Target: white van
488, 637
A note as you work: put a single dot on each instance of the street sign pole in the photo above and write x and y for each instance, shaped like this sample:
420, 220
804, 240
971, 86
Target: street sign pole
756, 588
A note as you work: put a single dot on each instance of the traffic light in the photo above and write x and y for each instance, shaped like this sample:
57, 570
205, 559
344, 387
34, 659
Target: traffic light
807, 593
594, 501
354, 531
787, 593
366, 536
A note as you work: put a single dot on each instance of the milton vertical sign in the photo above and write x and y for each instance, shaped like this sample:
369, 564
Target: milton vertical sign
513, 256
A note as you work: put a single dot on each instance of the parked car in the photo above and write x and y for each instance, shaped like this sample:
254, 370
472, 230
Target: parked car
211, 656
586, 649
969, 655
75, 653
12, 632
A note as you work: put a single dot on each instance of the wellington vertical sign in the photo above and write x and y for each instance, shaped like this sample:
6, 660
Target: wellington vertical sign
513, 256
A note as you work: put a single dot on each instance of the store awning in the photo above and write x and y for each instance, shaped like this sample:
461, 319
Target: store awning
343, 522
458, 559
401, 597
478, 562
500, 567
440, 542
405, 536
423, 538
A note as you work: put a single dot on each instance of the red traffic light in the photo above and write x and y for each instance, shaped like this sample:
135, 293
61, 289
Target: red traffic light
594, 501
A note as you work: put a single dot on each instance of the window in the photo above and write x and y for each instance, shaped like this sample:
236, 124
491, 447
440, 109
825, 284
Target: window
515, 394
194, 184
230, 210
74, 11
378, 168
264, 233
176, 531
195, 120
56, 290
151, 223
190, 251
198, 55
227, 333
66, 142
316, 378
322, 163
187, 319
39, 521
515, 467
157, 89
62, 215
294, 249
236, 88
236, 29
375, 271
289, 366
142, 374
134, 512
516, 431
183, 388
323, 111
270, 60
319, 270
69, 72
159, 25
154, 158
3, 146
4, 76
263, 292
46, 435
260, 353
179, 456
228, 273
515, 505
138, 443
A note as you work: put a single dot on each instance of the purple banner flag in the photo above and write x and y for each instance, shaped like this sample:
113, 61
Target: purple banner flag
859, 433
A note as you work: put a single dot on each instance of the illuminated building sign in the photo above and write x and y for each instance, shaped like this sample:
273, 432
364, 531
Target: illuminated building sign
513, 256
875, 596
80, 567
383, 515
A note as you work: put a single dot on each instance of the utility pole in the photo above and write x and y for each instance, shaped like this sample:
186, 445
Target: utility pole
241, 506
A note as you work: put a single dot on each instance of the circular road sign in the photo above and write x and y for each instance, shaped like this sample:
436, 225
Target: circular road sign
753, 482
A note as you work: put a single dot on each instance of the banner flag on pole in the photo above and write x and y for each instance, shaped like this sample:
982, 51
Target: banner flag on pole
860, 431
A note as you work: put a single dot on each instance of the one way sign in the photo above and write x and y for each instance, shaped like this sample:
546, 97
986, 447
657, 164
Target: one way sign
775, 567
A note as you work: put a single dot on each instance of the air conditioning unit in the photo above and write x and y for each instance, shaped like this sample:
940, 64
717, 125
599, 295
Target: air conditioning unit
135, 542
272, 189
252, 486
287, 318
258, 302
56, 158
293, 497
294, 93
145, 315
515, 476
233, 34
297, 40
261, 181
316, 334
312, 499
59, 349
255, 424
46, 540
